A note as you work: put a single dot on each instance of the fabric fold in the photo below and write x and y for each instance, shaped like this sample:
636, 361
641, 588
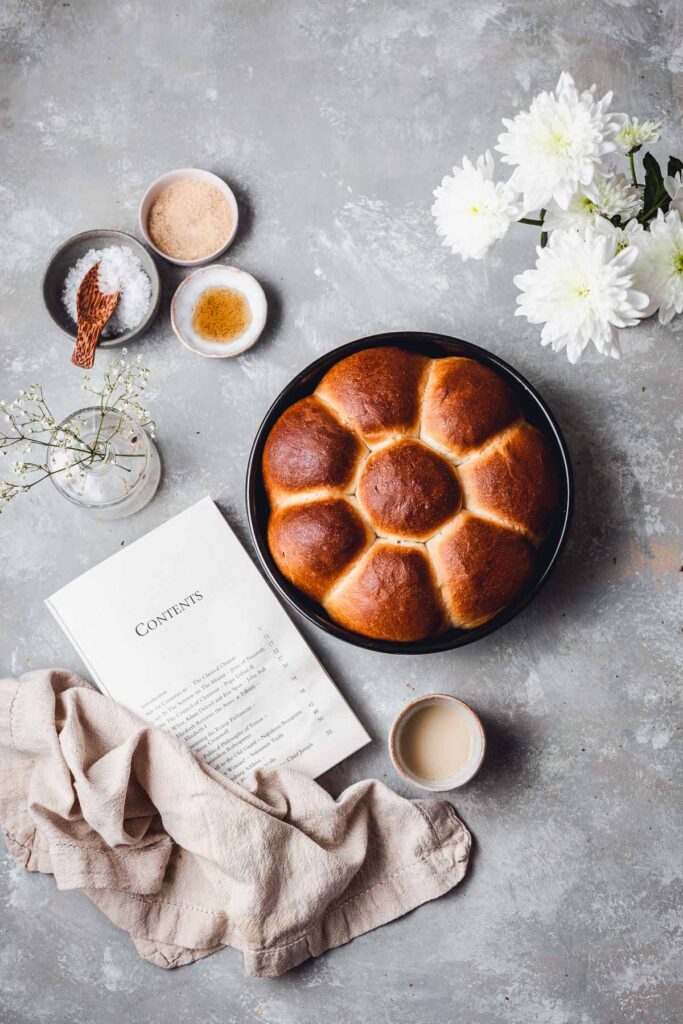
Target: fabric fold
187, 861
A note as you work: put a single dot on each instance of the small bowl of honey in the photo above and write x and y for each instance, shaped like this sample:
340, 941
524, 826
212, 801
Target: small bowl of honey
219, 311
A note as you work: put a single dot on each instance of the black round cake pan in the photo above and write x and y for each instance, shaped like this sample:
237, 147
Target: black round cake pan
536, 412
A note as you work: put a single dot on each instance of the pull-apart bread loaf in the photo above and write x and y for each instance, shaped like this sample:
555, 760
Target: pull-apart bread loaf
408, 494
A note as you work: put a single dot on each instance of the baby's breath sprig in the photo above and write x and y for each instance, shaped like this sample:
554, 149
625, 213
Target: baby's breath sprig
29, 430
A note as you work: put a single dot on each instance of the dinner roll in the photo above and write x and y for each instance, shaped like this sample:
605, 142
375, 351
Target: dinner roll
315, 541
481, 566
514, 480
392, 594
465, 404
408, 494
377, 391
407, 490
308, 448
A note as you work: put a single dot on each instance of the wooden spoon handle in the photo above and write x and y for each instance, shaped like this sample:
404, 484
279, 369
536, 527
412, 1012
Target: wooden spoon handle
84, 351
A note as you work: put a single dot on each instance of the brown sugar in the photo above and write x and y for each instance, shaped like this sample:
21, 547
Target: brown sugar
190, 220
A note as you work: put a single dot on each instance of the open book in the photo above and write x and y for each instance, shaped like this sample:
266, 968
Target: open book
182, 628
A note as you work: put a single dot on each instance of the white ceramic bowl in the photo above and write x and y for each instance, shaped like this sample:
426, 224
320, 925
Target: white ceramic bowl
477, 745
187, 295
163, 182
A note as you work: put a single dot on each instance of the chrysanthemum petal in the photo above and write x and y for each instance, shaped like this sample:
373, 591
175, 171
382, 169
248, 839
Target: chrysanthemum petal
557, 143
580, 290
471, 210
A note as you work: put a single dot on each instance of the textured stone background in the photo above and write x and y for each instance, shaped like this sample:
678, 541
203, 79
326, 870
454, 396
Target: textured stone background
333, 121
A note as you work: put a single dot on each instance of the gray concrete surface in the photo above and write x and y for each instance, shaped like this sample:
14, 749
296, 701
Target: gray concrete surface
333, 121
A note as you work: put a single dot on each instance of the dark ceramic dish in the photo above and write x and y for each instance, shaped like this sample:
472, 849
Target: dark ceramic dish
434, 345
70, 252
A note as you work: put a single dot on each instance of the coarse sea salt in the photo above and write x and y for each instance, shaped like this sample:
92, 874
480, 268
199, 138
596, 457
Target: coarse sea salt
120, 270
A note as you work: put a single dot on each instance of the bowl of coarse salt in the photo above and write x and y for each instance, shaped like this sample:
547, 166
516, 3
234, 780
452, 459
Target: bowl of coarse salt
125, 266
189, 216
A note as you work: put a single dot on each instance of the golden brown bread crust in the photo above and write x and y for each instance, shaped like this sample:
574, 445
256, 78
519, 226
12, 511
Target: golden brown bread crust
465, 404
377, 391
479, 521
481, 566
309, 448
515, 480
407, 490
314, 542
391, 595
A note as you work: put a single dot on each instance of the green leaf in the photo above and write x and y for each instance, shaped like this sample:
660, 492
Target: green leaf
654, 182
674, 167
655, 196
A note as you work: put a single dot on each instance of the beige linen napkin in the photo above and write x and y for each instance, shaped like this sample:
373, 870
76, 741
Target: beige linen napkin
187, 861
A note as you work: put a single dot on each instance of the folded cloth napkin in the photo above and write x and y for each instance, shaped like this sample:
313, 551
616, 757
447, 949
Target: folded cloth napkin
188, 862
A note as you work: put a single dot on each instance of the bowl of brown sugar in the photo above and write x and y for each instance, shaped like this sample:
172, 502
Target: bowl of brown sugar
189, 216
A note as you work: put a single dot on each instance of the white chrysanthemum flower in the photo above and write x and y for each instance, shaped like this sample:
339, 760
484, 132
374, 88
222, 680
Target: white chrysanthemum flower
629, 234
660, 265
632, 134
581, 291
609, 195
471, 210
557, 145
674, 186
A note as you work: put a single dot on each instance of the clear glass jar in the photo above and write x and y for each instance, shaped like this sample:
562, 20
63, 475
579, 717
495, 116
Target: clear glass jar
118, 472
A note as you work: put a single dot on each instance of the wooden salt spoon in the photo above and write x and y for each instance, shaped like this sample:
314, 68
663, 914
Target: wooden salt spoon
94, 309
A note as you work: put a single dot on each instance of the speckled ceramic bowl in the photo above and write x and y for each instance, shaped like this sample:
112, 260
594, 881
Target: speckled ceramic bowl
187, 296
63, 259
477, 740
196, 174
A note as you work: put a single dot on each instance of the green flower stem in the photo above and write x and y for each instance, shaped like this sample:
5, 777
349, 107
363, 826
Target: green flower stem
52, 444
72, 433
88, 452
52, 472
103, 413
105, 409
531, 220
115, 430
72, 465
634, 177
645, 217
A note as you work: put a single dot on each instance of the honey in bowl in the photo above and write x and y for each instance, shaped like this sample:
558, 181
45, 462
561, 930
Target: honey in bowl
221, 314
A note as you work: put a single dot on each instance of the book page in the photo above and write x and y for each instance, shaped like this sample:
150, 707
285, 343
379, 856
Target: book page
181, 627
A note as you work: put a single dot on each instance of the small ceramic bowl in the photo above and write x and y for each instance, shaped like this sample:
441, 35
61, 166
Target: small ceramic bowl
63, 259
477, 743
163, 182
187, 295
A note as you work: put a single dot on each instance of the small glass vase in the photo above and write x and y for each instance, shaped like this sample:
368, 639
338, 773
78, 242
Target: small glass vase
118, 472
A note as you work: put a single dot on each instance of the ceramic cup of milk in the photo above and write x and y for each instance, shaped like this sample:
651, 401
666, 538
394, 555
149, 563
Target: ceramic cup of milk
437, 742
